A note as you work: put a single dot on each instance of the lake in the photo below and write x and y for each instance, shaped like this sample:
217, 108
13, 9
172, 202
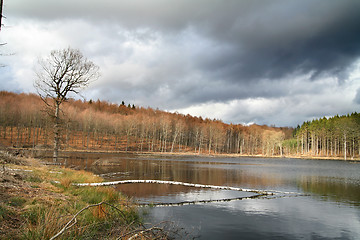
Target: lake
284, 198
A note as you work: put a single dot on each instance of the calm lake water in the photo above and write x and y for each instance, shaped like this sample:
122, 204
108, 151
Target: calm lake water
313, 199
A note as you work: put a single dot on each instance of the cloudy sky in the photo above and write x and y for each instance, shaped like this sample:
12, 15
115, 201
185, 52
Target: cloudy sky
275, 62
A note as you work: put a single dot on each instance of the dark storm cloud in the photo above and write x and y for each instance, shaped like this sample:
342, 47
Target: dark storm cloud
261, 39
321, 37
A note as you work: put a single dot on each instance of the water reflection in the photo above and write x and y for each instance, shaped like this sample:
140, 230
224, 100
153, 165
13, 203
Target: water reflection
330, 211
169, 194
332, 189
284, 218
194, 172
146, 190
327, 180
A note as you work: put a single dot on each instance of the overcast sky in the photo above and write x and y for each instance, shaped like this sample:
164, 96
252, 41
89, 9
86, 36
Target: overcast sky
278, 62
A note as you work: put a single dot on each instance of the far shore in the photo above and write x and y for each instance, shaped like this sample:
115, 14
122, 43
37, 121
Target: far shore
226, 155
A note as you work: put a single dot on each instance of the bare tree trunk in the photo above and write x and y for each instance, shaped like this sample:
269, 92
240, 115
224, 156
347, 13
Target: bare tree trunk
4, 130
11, 134
127, 140
33, 140
1, 10
174, 140
29, 135
37, 135
353, 148
242, 146
56, 133
115, 142
45, 137
18, 137
345, 146
87, 139
331, 146
302, 143
210, 145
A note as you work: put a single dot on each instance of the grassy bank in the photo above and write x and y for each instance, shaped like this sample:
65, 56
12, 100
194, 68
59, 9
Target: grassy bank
39, 202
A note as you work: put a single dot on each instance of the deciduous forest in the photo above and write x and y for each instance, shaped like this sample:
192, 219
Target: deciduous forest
103, 126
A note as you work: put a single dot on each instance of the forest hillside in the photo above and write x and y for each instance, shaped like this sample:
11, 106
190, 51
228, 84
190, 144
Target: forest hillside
103, 126
335, 136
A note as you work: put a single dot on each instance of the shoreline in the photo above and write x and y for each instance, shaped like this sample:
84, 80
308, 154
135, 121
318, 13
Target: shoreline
227, 155
41, 202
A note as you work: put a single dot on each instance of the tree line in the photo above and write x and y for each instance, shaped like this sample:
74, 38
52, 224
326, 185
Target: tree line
100, 125
104, 126
335, 136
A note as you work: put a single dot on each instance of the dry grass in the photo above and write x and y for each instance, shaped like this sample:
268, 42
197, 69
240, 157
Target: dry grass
76, 176
32, 206
99, 212
42, 223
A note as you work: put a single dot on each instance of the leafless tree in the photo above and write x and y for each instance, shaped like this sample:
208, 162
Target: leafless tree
1, 11
1, 16
60, 74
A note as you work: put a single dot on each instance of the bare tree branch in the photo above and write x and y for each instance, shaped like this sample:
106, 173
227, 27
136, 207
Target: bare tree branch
63, 72
73, 220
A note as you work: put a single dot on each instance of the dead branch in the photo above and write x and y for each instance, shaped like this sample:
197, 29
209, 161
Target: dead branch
145, 231
73, 220
121, 212
154, 232
139, 232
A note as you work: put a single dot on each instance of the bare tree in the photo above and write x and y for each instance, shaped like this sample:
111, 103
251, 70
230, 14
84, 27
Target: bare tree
62, 73
1, 16
1, 11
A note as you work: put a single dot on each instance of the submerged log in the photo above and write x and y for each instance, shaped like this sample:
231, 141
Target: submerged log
167, 204
175, 183
265, 192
